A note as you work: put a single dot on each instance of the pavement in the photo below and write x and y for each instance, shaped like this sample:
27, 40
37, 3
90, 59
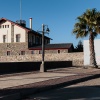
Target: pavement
12, 81
18, 86
88, 90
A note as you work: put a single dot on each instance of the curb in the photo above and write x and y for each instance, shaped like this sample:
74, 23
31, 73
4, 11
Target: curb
23, 92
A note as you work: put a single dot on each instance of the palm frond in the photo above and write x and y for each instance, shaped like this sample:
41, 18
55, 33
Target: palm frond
88, 22
97, 29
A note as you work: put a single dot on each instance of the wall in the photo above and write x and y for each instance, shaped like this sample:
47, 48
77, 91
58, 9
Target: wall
87, 52
21, 31
9, 67
5, 31
11, 45
76, 58
15, 48
56, 51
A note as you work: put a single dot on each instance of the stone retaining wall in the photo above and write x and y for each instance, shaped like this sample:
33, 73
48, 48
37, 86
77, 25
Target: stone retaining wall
76, 58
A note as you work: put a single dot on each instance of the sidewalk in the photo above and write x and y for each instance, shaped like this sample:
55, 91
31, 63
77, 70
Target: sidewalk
13, 81
23, 85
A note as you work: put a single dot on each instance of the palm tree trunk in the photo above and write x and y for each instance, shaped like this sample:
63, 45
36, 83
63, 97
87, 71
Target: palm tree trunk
92, 51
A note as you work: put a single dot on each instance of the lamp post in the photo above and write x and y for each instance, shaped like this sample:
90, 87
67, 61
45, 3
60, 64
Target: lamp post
42, 66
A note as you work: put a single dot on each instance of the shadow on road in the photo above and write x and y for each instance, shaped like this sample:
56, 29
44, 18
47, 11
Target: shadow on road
69, 93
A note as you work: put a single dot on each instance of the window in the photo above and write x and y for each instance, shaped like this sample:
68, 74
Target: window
48, 42
18, 38
3, 26
8, 53
40, 40
37, 40
58, 51
4, 38
7, 26
32, 39
32, 52
22, 52
40, 52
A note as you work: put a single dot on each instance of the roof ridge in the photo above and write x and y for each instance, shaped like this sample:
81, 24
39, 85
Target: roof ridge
60, 43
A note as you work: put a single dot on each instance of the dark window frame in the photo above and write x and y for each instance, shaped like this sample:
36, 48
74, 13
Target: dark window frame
32, 52
8, 53
17, 37
4, 38
58, 51
22, 53
3, 26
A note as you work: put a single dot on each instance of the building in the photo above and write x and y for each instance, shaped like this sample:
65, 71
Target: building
55, 48
87, 52
16, 38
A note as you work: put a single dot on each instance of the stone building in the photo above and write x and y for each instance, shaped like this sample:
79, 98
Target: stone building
16, 38
54, 48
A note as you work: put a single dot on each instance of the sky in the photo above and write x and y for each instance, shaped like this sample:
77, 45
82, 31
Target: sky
59, 15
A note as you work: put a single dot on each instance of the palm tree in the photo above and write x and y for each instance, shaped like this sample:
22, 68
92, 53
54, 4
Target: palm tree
88, 24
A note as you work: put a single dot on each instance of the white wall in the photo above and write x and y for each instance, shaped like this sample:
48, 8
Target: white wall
7, 32
87, 52
21, 31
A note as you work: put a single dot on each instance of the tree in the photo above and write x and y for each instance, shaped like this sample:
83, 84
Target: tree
79, 47
88, 24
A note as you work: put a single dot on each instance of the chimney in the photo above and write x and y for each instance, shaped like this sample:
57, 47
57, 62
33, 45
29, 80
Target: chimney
30, 23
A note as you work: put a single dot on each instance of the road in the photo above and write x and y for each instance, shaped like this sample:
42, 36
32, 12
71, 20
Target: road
88, 90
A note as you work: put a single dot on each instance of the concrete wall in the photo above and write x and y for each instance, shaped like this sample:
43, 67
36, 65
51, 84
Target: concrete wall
87, 51
9, 67
76, 58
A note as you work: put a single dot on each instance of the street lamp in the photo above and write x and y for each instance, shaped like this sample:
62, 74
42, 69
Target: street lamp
42, 66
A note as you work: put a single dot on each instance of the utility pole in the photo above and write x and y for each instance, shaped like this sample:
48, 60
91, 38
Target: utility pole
42, 66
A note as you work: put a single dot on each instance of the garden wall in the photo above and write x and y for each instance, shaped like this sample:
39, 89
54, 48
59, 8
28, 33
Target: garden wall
76, 58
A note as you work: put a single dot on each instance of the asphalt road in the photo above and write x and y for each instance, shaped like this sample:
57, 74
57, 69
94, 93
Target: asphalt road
89, 90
